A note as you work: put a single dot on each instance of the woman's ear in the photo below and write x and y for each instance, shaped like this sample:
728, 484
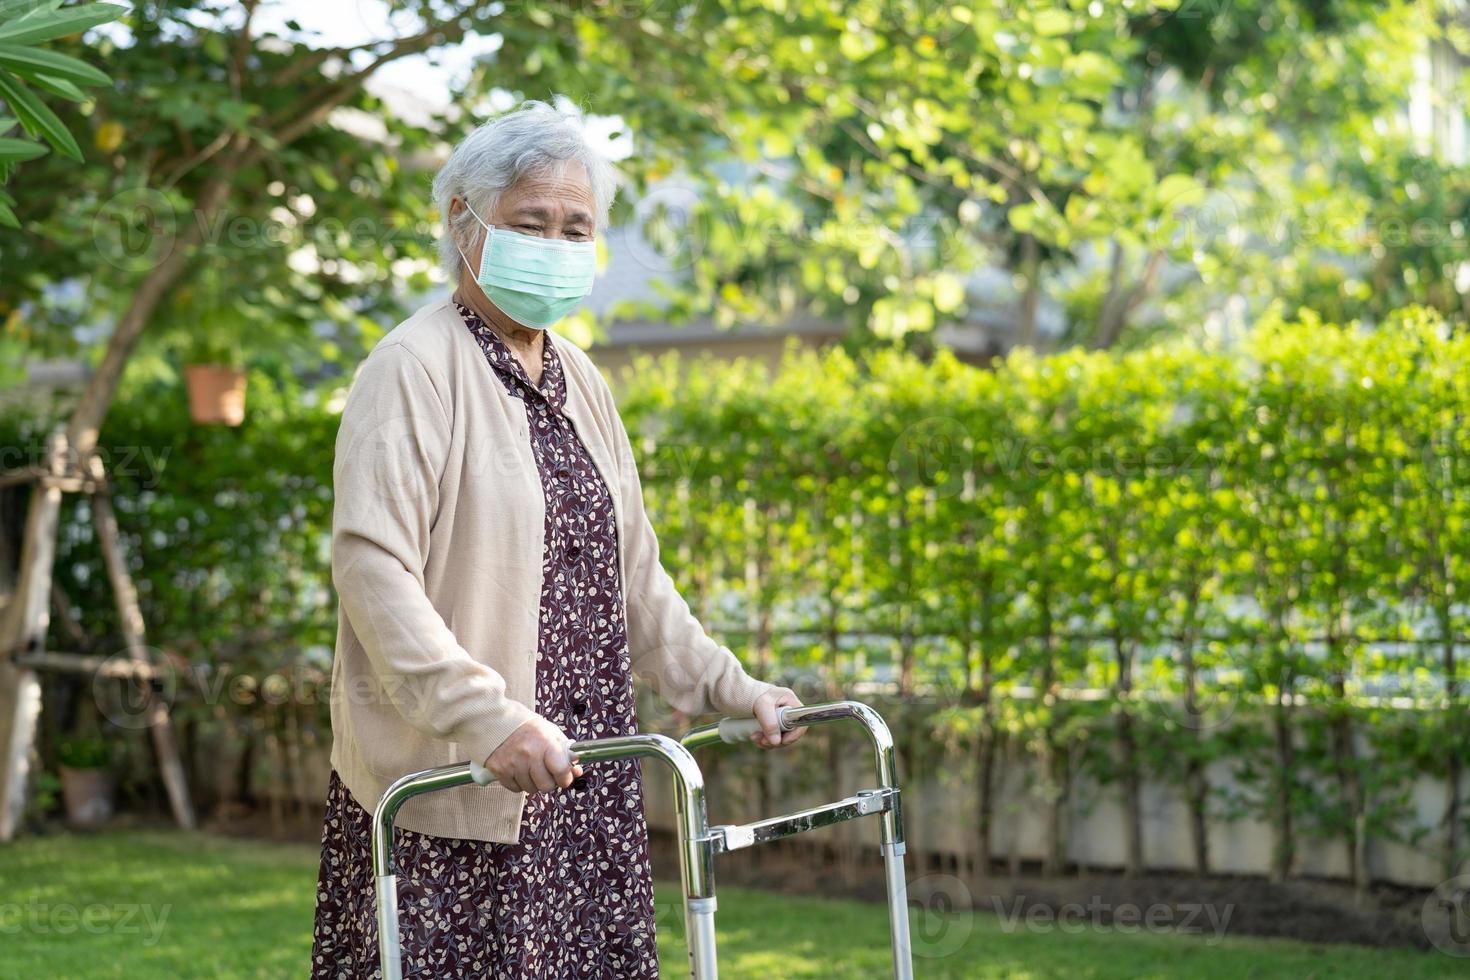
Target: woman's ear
454, 218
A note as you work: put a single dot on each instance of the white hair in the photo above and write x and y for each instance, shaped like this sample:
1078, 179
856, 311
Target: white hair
533, 138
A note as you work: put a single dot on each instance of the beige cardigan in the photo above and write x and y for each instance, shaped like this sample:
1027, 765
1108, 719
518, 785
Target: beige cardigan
437, 539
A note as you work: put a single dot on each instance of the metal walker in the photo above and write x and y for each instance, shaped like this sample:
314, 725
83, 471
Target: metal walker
698, 841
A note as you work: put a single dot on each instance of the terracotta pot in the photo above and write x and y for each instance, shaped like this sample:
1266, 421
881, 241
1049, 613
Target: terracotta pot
216, 394
88, 796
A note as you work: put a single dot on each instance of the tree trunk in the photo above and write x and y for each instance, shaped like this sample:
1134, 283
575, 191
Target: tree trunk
1352, 789
1051, 761
903, 559
985, 746
1013, 854
1128, 757
1054, 761
832, 674
1122, 300
1284, 854
86, 421
1455, 723
1346, 763
1028, 332
245, 773
1196, 786
7, 552
985, 787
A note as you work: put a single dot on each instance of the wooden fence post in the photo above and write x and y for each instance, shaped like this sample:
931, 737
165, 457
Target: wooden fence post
23, 628
130, 621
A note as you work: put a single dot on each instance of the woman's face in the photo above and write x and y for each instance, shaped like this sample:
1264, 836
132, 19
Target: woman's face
548, 205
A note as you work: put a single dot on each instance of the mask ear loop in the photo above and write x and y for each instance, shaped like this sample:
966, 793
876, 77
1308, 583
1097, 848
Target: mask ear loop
489, 230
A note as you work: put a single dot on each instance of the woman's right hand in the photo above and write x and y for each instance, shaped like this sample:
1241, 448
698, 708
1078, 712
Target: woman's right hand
534, 759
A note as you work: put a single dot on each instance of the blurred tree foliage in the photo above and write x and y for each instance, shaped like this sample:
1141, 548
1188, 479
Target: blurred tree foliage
1138, 162
1111, 153
225, 205
216, 204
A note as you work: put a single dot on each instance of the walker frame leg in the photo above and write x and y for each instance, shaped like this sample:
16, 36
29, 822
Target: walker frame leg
696, 862
886, 801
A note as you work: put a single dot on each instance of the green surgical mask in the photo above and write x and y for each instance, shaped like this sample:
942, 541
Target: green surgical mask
535, 281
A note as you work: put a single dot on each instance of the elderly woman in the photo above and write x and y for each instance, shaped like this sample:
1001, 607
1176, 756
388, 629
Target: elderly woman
499, 587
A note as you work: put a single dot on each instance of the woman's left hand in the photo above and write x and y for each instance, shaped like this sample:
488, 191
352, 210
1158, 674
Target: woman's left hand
771, 736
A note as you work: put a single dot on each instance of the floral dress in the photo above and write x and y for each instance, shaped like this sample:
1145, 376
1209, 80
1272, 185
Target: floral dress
574, 896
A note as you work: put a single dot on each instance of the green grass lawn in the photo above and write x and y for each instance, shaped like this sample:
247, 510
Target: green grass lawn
215, 907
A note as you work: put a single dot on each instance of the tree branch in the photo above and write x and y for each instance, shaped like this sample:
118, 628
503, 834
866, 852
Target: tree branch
1121, 302
91, 408
189, 163
314, 107
242, 49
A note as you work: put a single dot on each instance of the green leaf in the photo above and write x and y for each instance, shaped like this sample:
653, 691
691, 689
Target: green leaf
7, 217
16, 9
949, 293
60, 23
216, 48
15, 151
61, 87
1180, 190
37, 119
1023, 218
30, 62
1052, 23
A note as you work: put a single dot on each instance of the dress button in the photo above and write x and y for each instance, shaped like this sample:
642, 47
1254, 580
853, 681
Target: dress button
580, 782
579, 708
574, 549
563, 474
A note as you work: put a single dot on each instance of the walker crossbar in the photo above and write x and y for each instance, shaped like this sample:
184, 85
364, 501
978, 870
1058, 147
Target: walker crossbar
883, 800
732, 837
695, 851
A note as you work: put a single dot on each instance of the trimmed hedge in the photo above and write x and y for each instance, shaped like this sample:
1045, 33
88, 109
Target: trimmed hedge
1133, 564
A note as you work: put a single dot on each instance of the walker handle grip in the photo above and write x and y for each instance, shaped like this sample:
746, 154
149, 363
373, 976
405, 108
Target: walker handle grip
741, 729
484, 777
481, 775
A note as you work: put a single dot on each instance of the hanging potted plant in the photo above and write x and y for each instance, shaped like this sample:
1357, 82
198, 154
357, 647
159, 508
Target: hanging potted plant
86, 780
214, 372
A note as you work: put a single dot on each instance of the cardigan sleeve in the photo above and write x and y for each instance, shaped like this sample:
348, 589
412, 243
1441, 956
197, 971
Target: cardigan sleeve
391, 450
667, 645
